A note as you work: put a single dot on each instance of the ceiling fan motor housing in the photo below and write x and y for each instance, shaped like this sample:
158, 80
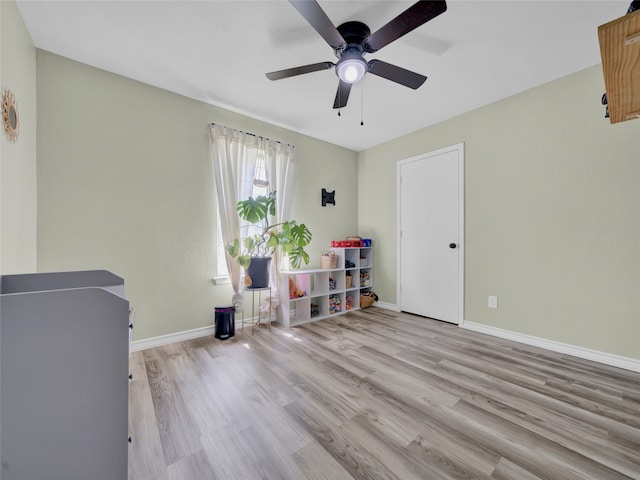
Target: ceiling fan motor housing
354, 33
351, 67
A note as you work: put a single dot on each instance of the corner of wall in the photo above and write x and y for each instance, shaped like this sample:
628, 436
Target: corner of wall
18, 179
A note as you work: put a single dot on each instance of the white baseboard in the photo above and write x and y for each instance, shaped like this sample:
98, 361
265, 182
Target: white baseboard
387, 306
143, 344
152, 342
580, 352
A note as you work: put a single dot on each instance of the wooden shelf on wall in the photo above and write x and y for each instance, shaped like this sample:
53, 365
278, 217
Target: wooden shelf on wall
620, 52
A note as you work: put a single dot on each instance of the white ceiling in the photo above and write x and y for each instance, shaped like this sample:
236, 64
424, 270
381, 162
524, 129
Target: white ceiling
218, 52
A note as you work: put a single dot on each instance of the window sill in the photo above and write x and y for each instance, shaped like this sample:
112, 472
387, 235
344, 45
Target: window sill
222, 280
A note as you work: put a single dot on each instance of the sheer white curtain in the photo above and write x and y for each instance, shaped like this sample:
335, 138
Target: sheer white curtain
281, 169
233, 159
234, 155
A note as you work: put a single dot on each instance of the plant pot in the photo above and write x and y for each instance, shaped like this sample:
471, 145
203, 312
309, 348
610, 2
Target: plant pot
258, 272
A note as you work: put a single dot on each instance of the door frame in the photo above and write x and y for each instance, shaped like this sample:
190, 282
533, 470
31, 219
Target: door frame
459, 147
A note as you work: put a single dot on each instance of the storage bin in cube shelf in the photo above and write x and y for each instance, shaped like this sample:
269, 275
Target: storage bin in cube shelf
335, 305
348, 302
329, 259
367, 299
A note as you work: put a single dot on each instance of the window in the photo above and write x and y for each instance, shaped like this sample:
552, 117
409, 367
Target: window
244, 165
258, 184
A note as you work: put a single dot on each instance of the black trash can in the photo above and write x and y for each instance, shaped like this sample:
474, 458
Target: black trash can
225, 319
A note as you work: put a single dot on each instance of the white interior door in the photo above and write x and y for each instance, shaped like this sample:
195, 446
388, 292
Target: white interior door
430, 191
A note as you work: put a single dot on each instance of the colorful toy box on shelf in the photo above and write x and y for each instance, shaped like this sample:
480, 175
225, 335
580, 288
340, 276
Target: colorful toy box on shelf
315, 310
348, 302
294, 292
332, 284
352, 242
334, 304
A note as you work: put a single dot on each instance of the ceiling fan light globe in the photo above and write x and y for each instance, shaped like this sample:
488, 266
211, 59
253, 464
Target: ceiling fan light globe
351, 70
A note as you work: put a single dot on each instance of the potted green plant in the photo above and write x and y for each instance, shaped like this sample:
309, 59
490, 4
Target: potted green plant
254, 253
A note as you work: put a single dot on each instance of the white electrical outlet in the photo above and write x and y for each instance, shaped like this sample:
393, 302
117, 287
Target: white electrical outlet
493, 301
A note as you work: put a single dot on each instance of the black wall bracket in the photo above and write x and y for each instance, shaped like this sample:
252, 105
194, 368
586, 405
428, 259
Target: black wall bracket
328, 197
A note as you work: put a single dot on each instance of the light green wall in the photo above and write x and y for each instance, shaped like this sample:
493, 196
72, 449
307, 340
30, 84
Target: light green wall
18, 160
124, 183
552, 202
552, 207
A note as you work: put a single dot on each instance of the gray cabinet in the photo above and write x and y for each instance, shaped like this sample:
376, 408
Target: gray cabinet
64, 361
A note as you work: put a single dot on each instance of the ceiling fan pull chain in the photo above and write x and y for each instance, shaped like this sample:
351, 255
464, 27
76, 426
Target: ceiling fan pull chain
362, 102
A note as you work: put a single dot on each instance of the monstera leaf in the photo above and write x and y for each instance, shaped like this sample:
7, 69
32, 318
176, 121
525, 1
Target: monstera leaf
290, 236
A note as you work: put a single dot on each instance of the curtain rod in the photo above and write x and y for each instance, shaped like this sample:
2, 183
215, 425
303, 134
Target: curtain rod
254, 135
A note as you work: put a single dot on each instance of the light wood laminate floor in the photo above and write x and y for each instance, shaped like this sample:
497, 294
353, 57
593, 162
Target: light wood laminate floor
376, 394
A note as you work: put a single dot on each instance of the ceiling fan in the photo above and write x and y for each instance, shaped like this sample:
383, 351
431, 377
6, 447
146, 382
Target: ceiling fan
352, 40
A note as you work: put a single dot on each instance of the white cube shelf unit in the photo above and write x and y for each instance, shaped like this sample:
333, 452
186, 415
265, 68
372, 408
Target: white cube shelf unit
326, 291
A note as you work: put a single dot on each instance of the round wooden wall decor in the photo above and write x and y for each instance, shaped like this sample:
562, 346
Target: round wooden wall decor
10, 117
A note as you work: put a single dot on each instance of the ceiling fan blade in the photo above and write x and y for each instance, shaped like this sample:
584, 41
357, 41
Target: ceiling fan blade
396, 74
312, 12
342, 95
416, 15
292, 72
